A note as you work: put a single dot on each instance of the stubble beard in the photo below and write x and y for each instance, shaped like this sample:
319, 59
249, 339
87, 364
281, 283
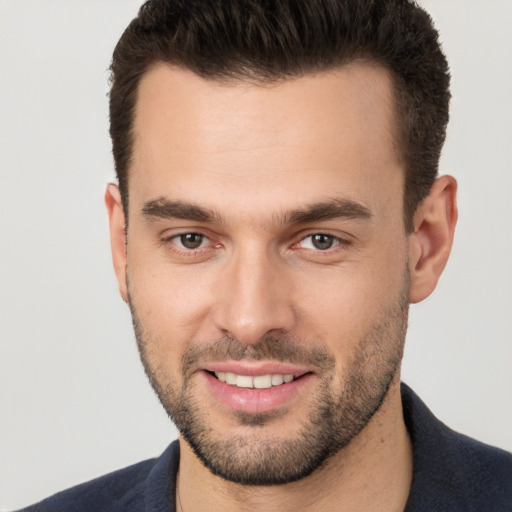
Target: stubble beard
263, 457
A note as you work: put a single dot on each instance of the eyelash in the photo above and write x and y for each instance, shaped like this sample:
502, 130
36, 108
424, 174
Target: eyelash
338, 243
184, 251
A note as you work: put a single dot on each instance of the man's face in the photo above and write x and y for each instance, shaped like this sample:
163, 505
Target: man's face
266, 243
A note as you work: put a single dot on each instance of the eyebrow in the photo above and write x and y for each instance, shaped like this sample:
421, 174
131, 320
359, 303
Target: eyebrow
326, 210
162, 208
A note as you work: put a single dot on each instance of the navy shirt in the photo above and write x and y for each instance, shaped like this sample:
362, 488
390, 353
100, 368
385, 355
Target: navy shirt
452, 473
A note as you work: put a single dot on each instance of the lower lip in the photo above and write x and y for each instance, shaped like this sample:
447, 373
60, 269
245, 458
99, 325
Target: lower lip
252, 400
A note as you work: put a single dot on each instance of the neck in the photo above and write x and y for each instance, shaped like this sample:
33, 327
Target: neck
373, 473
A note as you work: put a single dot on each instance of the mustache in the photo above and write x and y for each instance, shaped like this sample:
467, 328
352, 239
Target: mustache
272, 347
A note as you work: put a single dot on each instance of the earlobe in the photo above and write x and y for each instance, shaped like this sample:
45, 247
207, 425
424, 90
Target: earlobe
431, 242
117, 236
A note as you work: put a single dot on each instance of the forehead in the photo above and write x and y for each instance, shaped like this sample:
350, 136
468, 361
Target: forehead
291, 140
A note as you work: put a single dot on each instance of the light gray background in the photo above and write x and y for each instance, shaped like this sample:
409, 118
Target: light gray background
74, 402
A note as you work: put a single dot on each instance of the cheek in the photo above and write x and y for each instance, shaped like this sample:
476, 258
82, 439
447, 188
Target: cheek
335, 309
173, 303
340, 305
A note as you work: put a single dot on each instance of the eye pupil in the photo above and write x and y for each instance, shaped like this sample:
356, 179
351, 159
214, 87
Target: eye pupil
322, 242
191, 240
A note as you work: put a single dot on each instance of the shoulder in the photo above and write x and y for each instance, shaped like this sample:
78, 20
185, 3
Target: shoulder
453, 472
99, 494
123, 490
483, 471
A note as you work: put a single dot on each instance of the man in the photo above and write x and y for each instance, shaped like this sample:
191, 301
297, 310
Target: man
278, 208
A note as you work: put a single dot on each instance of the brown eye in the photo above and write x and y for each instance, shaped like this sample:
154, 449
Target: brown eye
322, 242
191, 240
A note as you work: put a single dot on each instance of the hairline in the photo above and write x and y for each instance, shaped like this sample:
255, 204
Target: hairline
252, 76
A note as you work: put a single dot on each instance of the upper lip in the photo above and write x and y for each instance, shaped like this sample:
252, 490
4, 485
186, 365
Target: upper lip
255, 368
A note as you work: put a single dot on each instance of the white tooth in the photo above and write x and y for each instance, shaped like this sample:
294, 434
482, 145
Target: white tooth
277, 379
221, 376
263, 381
230, 378
244, 381
287, 378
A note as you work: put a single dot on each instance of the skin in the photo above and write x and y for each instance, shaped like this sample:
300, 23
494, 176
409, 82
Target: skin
251, 155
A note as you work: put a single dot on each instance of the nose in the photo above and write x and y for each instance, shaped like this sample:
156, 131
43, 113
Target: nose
255, 299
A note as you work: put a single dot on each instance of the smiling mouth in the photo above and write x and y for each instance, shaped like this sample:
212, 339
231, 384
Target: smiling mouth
256, 382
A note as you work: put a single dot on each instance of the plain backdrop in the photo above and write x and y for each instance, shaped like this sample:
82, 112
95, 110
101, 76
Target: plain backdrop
74, 401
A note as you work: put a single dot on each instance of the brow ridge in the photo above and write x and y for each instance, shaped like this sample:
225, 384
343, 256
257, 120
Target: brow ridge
327, 210
163, 208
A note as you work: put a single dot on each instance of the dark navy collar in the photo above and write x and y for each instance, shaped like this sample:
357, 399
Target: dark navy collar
452, 473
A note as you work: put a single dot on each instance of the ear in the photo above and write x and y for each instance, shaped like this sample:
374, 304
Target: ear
431, 242
117, 236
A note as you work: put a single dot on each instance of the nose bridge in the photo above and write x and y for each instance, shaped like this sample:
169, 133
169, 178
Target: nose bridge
254, 300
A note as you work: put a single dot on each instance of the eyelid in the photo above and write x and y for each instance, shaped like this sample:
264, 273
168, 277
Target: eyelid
342, 240
336, 242
204, 241
209, 241
169, 239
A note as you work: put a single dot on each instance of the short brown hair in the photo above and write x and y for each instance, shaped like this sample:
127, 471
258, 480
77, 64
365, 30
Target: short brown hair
270, 40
